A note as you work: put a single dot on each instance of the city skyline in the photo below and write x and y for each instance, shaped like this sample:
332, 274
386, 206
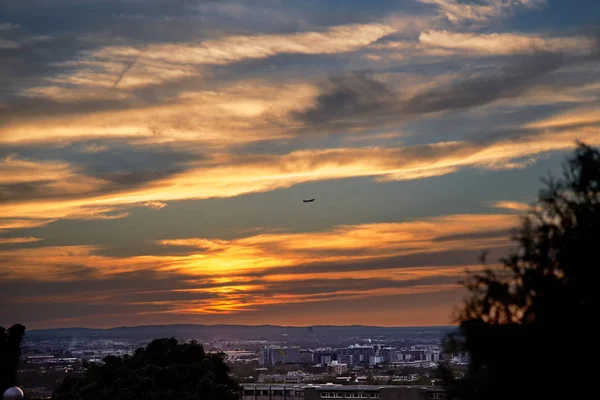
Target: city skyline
154, 156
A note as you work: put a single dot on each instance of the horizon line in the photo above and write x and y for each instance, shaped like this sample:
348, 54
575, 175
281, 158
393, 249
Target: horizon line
241, 325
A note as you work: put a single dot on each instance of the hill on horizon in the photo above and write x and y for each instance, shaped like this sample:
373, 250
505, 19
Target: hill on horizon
233, 331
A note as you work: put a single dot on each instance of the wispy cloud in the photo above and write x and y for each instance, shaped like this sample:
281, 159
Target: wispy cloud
235, 276
512, 205
504, 43
18, 240
476, 91
158, 63
576, 117
156, 205
226, 175
338, 39
7, 224
8, 44
6, 26
269, 252
15, 170
457, 11
355, 101
343, 244
202, 117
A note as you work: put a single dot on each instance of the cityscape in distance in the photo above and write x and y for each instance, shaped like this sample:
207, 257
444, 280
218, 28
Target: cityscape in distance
267, 354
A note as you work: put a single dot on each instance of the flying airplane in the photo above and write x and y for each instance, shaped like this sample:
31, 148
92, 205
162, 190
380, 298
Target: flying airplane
308, 201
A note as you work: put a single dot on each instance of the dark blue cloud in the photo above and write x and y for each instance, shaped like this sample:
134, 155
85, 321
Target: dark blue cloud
107, 157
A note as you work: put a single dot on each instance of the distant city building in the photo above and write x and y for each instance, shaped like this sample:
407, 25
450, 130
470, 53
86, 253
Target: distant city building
346, 359
324, 356
273, 355
374, 360
388, 354
433, 356
360, 354
307, 357
325, 359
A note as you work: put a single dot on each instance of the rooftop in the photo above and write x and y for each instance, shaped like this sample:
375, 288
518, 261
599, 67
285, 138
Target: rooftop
336, 387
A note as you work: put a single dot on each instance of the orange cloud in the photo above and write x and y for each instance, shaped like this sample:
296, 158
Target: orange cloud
245, 112
512, 205
227, 176
502, 43
223, 260
18, 240
8, 224
98, 73
15, 170
342, 244
46, 179
579, 116
339, 39
402, 274
221, 277
458, 12
232, 304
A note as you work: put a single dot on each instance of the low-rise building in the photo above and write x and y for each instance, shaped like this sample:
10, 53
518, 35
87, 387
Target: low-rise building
333, 391
337, 368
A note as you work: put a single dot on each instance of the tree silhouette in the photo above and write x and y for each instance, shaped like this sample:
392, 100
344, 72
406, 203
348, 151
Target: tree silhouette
10, 353
526, 325
163, 370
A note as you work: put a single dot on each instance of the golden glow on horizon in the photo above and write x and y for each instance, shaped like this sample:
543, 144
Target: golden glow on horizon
226, 263
347, 244
226, 283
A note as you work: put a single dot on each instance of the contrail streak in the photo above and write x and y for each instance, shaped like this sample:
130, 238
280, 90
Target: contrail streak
127, 68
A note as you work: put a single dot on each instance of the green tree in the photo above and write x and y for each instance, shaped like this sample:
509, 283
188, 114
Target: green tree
527, 325
163, 370
10, 353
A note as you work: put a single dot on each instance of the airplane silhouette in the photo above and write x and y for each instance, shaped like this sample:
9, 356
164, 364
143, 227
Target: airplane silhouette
308, 201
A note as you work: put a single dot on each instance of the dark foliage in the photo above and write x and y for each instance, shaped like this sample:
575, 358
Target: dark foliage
527, 325
10, 353
164, 370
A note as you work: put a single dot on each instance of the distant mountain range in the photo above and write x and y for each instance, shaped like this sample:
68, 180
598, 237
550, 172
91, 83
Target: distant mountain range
244, 332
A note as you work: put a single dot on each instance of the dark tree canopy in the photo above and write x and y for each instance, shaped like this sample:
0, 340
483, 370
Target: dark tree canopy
10, 353
163, 370
527, 325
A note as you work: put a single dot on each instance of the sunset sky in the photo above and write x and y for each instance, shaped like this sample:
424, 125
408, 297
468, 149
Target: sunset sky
154, 154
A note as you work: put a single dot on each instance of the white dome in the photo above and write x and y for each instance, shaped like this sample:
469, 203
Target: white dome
13, 393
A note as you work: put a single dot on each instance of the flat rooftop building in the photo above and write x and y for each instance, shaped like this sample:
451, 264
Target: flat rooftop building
331, 391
